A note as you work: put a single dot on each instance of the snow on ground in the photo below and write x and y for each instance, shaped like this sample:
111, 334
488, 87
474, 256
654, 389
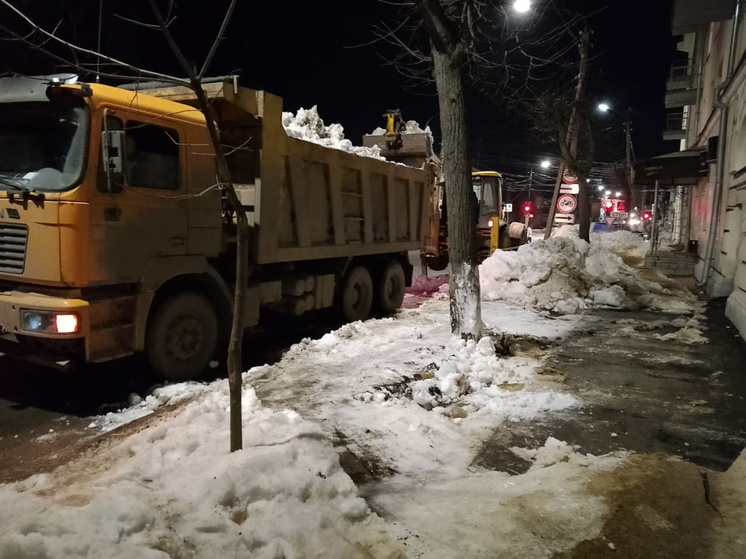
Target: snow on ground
394, 399
492, 514
174, 490
307, 125
410, 402
564, 274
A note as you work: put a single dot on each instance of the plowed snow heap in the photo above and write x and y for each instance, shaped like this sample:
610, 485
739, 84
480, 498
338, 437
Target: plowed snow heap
566, 275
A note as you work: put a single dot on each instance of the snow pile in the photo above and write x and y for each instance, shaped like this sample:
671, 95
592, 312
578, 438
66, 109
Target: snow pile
307, 125
476, 378
564, 274
174, 490
617, 241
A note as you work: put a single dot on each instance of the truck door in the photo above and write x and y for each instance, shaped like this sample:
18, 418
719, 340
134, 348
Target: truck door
141, 213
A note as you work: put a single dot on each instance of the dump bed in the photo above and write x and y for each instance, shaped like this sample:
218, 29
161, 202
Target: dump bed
306, 201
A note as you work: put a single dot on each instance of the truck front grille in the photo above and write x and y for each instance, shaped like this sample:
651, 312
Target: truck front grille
13, 241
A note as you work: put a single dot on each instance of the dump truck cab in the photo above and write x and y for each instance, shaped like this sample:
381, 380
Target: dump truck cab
94, 205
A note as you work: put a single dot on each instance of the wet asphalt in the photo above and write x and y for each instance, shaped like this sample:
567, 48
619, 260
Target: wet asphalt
641, 394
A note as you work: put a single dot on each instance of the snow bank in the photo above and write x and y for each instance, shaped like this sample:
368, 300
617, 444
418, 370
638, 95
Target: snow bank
174, 490
565, 275
307, 125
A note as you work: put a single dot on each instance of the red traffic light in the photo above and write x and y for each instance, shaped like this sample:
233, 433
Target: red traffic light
646, 216
527, 208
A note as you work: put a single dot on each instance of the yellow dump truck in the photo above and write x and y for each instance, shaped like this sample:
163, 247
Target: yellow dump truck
115, 237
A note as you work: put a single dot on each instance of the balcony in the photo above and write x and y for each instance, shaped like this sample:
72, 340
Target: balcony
681, 87
676, 126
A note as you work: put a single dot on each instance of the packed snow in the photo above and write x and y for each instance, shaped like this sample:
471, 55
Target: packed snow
566, 275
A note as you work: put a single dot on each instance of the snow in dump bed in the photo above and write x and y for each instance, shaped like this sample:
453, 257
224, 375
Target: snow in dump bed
564, 274
307, 125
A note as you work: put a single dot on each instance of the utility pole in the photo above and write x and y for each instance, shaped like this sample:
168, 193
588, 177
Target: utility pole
572, 131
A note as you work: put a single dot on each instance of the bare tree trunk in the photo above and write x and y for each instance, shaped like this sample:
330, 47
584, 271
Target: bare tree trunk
235, 358
466, 312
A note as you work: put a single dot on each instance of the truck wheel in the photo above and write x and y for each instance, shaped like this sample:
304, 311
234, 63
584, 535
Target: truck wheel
182, 337
390, 288
356, 295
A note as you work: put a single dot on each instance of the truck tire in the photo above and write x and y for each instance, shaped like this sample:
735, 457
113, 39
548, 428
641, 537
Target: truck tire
390, 288
356, 295
182, 337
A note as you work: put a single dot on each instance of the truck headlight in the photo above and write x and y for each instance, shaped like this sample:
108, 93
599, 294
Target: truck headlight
49, 322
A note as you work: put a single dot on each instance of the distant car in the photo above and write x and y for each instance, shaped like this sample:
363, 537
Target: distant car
600, 227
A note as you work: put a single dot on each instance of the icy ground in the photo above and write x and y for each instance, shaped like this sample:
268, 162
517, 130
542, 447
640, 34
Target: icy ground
407, 403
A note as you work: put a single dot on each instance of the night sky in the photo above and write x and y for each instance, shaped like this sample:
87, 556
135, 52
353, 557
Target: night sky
323, 52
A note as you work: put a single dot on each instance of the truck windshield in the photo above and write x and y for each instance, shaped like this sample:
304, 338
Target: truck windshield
42, 145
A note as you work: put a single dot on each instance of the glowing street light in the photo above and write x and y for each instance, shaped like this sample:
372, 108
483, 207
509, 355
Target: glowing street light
604, 107
522, 6
545, 164
618, 194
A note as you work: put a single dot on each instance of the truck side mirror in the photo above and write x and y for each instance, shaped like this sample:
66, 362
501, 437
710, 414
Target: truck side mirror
112, 143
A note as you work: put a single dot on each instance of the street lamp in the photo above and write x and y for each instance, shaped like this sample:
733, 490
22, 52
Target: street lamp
545, 164
522, 6
603, 107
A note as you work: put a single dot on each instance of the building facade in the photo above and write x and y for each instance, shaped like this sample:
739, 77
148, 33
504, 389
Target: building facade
706, 103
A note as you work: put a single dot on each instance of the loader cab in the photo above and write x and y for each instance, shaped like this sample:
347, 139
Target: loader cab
488, 189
